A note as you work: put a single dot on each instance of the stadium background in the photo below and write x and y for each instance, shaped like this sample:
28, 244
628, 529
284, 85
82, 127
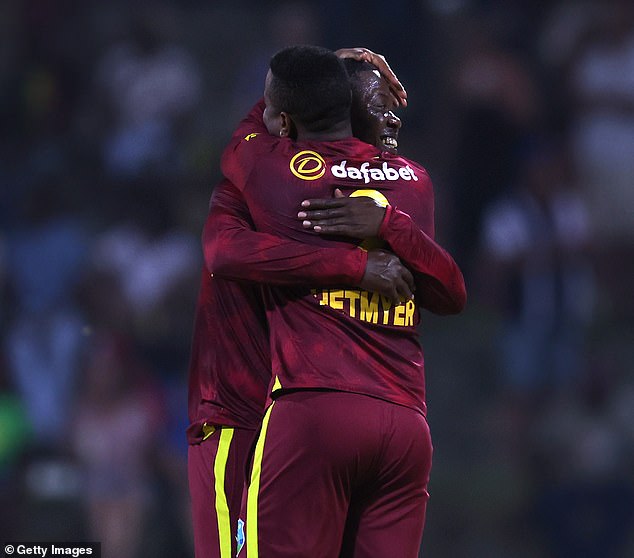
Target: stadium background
113, 117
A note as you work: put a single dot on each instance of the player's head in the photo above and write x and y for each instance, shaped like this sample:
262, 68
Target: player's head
307, 88
372, 104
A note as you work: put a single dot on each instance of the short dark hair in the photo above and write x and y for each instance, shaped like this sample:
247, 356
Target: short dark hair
311, 84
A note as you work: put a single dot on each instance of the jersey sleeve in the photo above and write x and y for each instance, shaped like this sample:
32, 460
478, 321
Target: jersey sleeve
234, 250
250, 140
440, 286
252, 123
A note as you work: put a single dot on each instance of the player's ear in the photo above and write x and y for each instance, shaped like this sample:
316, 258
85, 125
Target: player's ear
287, 127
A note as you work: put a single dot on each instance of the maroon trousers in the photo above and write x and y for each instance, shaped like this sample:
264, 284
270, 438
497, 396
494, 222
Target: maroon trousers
338, 474
217, 470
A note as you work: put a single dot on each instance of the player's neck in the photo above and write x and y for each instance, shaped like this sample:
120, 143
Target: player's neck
339, 131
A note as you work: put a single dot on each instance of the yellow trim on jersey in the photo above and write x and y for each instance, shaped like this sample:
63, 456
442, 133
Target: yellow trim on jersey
208, 430
225, 533
254, 489
276, 385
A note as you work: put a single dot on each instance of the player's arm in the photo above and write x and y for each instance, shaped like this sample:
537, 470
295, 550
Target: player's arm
439, 281
252, 123
248, 141
233, 250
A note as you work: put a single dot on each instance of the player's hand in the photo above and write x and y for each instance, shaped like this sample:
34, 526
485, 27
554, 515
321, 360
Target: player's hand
359, 217
386, 275
365, 55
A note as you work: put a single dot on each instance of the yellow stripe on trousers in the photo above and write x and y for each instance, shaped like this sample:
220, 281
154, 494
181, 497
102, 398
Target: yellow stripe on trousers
254, 489
225, 532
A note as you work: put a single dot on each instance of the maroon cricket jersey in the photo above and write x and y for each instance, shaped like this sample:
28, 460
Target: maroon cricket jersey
228, 377
338, 338
230, 365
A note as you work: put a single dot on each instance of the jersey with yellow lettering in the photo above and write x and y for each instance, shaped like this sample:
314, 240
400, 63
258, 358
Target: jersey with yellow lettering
337, 338
230, 367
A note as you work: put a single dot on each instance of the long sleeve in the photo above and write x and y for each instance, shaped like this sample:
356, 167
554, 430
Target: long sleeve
244, 148
252, 123
439, 282
232, 249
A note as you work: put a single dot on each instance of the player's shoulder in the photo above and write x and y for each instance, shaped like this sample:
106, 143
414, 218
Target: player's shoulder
254, 141
410, 171
417, 167
252, 136
267, 146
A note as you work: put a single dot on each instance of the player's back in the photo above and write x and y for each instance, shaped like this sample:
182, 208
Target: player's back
340, 338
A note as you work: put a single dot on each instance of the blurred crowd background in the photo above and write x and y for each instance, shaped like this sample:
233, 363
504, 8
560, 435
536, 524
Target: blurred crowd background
114, 115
